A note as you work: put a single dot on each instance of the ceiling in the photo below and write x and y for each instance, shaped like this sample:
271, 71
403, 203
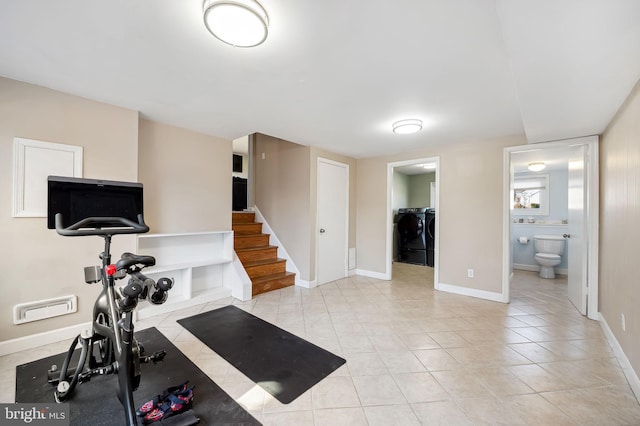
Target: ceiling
336, 74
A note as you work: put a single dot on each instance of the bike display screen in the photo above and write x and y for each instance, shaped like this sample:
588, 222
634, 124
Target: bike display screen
77, 199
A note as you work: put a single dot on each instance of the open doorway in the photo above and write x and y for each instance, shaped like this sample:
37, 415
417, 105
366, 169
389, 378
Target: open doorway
412, 204
553, 206
241, 172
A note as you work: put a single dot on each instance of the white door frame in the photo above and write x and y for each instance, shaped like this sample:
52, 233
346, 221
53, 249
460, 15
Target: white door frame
346, 216
591, 211
389, 220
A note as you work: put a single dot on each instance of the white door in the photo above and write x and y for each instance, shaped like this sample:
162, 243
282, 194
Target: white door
577, 238
332, 231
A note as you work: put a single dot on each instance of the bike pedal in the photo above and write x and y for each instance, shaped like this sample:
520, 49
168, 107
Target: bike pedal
53, 375
60, 393
159, 356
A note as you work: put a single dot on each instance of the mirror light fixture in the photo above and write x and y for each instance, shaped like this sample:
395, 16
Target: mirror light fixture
537, 166
240, 23
404, 127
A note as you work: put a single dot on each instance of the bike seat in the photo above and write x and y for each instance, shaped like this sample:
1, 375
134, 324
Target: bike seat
129, 259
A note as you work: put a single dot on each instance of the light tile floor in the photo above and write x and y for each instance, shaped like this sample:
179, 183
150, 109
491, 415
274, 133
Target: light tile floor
417, 356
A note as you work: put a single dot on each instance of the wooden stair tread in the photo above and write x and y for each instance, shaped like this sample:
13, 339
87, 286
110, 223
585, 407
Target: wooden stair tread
249, 235
256, 248
242, 217
259, 259
240, 226
272, 277
261, 262
250, 240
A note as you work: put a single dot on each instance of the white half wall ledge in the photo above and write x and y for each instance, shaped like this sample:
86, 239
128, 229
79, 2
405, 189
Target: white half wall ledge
627, 369
472, 292
241, 286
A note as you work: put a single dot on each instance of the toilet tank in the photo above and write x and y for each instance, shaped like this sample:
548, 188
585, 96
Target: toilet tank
553, 244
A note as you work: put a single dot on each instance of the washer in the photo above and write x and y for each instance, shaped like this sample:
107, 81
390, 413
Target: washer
411, 233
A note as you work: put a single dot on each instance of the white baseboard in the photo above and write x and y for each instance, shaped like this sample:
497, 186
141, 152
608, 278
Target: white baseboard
306, 284
352, 272
41, 339
627, 369
525, 267
536, 268
466, 291
372, 274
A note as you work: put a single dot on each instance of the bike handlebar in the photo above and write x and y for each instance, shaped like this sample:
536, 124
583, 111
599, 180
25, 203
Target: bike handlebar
101, 226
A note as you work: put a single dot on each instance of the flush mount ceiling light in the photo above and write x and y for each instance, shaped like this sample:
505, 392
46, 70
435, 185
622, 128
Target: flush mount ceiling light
537, 166
404, 127
240, 23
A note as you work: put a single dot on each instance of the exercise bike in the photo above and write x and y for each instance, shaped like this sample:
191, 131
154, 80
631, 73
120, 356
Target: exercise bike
110, 346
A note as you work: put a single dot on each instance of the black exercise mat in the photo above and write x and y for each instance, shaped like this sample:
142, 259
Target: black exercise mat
96, 403
283, 364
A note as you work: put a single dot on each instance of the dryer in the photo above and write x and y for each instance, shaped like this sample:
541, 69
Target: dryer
430, 237
411, 234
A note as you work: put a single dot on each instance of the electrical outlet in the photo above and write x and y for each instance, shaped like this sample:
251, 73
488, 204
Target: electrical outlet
623, 322
469, 273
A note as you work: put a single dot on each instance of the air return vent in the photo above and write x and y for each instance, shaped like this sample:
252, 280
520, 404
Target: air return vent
41, 309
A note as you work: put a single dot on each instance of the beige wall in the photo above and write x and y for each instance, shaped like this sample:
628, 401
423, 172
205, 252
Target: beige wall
619, 229
286, 194
470, 211
37, 263
187, 179
282, 194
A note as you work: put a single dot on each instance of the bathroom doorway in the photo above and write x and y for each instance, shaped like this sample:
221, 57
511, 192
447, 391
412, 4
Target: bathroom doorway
530, 210
428, 197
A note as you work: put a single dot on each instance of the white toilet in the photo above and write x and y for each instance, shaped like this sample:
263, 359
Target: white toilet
549, 250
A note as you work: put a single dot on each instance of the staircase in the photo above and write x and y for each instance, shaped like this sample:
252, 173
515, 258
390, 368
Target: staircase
260, 260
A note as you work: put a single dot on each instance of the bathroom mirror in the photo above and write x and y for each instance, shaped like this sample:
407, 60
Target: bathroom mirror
530, 195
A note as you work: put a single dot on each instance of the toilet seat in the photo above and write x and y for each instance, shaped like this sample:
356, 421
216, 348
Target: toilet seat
548, 256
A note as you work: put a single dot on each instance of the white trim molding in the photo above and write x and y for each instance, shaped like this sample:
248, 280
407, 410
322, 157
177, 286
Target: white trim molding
627, 369
33, 161
591, 209
40, 339
472, 292
372, 274
242, 287
536, 268
389, 216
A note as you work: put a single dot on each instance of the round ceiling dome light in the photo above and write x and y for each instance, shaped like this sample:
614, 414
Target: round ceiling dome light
240, 23
405, 127
536, 166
